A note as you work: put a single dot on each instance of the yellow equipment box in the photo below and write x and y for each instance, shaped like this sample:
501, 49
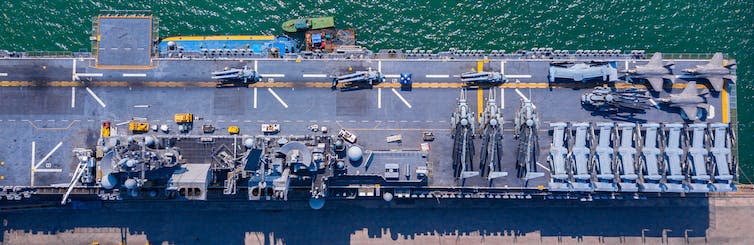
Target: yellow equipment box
138, 126
233, 130
184, 118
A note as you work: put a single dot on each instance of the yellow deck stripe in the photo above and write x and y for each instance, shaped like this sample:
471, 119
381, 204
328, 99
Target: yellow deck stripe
479, 102
221, 38
724, 94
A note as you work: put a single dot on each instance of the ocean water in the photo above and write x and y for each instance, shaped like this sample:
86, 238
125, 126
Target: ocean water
670, 26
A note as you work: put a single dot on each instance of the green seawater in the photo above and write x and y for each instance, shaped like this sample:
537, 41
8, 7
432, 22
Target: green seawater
671, 26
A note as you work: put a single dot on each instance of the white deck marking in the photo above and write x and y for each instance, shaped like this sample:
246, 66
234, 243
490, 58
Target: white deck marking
626, 65
73, 71
502, 98
272, 75
3, 74
315, 75
256, 65
711, 112
255, 98
49, 170
392, 76
277, 97
95, 97
518, 76
502, 67
48, 154
73, 97
543, 166
141, 106
33, 160
134, 75
401, 97
379, 66
437, 76
89, 74
379, 98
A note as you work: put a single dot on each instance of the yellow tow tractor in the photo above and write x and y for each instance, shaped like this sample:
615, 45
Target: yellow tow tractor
234, 130
184, 118
138, 126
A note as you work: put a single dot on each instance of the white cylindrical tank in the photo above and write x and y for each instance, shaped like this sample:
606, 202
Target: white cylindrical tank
108, 182
354, 153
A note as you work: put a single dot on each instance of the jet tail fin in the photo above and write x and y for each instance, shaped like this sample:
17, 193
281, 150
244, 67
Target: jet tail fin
656, 59
717, 59
690, 89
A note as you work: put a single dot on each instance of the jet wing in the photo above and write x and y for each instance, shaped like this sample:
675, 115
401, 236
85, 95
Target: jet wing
656, 83
690, 111
716, 82
690, 89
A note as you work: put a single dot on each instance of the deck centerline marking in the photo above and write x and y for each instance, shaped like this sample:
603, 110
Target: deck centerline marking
89, 74
401, 97
134, 75
518, 76
379, 98
272, 75
33, 160
315, 75
437, 76
502, 98
277, 97
73, 97
255, 97
392, 76
48, 154
95, 97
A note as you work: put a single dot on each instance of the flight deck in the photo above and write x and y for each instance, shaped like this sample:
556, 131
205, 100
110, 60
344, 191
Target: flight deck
105, 124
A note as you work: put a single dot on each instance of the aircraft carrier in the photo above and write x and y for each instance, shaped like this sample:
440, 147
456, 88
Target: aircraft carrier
256, 120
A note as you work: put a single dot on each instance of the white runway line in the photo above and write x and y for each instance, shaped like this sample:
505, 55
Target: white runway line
95, 97
134, 75
379, 66
255, 98
3, 74
315, 75
73, 97
502, 98
392, 76
277, 97
379, 98
73, 71
49, 170
141, 106
33, 160
48, 154
437, 76
272, 75
518, 76
543, 166
401, 97
89, 74
502, 67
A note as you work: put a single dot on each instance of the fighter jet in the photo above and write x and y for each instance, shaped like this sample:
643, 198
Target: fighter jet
714, 72
655, 72
582, 72
689, 101
236, 76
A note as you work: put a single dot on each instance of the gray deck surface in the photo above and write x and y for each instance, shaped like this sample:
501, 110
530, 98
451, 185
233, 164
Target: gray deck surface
124, 41
43, 114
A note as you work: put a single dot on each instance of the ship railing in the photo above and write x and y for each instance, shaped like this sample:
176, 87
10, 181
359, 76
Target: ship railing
125, 13
49, 54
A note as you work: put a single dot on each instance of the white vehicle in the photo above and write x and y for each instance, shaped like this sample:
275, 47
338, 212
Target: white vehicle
348, 136
270, 128
394, 138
